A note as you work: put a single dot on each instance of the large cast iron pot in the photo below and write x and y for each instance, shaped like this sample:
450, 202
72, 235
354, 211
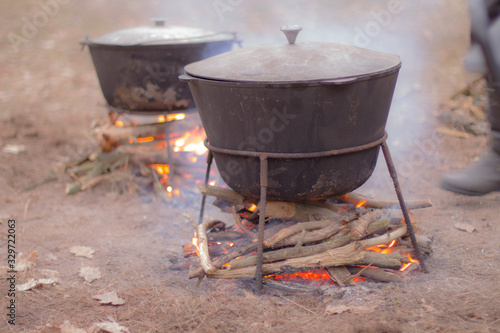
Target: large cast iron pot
295, 98
138, 68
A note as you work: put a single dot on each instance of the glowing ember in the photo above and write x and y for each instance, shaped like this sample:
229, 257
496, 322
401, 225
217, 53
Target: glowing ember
119, 123
320, 276
162, 169
212, 183
145, 139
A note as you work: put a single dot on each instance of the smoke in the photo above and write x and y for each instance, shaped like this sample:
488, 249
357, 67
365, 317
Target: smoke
428, 35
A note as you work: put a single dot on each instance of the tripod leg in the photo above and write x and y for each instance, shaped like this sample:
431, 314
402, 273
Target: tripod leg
207, 176
409, 227
262, 216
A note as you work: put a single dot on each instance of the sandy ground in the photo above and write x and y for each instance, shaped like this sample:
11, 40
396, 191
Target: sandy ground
50, 96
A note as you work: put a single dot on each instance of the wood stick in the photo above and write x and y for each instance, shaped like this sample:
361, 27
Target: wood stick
227, 194
278, 240
311, 236
336, 257
117, 133
293, 252
372, 203
341, 275
377, 225
300, 242
321, 234
375, 273
364, 221
325, 204
384, 260
103, 162
384, 239
205, 261
297, 228
199, 272
298, 211
241, 226
191, 221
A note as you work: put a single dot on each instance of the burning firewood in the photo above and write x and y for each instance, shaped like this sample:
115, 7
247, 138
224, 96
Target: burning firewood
206, 263
373, 203
337, 243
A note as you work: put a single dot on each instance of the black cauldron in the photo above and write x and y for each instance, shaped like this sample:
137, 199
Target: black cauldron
138, 68
295, 98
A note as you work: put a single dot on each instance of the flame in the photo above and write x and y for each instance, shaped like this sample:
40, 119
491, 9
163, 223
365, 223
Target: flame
252, 208
195, 242
212, 183
172, 117
361, 203
162, 169
382, 248
191, 142
406, 265
119, 123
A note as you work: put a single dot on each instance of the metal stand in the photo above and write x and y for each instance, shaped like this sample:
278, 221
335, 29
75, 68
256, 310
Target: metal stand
264, 183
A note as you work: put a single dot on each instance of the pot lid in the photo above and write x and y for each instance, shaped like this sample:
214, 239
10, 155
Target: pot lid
159, 34
294, 63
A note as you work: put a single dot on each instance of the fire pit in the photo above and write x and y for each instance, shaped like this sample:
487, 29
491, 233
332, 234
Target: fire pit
338, 241
309, 116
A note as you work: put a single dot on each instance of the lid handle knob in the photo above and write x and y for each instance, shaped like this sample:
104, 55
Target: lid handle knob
159, 21
291, 32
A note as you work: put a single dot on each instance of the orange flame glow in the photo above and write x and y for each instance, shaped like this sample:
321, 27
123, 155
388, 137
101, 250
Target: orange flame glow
162, 169
360, 204
145, 139
406, 265
176, 116
191, 142
321, 276
196, 243
252, 208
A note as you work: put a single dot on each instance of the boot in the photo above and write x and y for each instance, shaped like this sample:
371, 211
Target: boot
484, 176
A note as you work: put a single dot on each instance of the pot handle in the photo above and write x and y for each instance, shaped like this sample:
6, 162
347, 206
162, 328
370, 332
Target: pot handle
336, 82
85, 42
187, 78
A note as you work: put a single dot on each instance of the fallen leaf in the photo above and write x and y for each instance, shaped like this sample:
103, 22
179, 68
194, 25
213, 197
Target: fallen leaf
109, 298
108, 328
25, 263
90, 273
66, 327
336, 309
32, 283
464, 226
82, 251
14, 148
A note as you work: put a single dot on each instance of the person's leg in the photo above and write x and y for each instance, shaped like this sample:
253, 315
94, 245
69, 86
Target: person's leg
484, 176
